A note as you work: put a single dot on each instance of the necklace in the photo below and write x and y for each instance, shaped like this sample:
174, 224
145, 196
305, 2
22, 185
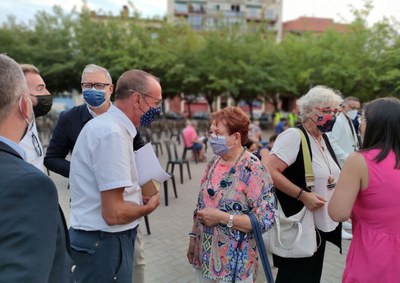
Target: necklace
331, 184
224, 182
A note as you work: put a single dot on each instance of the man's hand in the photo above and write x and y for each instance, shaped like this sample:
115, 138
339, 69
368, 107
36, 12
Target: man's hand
153, 202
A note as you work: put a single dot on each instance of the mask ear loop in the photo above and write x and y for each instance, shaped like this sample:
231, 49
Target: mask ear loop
32, 122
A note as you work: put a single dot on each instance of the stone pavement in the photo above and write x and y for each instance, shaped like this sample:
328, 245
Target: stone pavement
166, 246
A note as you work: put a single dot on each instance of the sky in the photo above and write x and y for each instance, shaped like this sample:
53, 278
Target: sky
338, 10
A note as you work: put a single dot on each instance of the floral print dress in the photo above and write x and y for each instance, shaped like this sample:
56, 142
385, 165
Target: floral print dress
223, 253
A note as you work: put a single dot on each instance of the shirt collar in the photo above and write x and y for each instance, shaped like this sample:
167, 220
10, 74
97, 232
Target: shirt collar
121, 116
14, 146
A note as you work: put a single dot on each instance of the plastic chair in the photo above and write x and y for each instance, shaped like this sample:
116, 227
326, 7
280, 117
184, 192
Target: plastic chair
166, 188
173, 160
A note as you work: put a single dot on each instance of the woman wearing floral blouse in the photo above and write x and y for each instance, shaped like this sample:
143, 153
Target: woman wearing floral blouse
222, 246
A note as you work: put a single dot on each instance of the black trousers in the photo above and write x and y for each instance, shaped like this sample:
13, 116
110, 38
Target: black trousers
299, 270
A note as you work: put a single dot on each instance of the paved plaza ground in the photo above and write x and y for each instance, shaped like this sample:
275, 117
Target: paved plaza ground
166, 246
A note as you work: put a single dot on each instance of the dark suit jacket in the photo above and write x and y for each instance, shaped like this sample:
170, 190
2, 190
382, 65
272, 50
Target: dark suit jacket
34, 243
65, 134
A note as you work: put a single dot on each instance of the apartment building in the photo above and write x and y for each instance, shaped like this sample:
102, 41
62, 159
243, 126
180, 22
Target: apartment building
211, 14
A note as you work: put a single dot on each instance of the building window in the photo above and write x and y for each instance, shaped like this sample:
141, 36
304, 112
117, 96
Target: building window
253, 12
197, 8
269, 15
181, 7
235, 8
195, 21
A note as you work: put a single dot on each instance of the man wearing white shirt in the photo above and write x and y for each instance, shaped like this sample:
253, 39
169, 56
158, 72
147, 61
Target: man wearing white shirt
42, 102
344, 140
106, 200
343, 136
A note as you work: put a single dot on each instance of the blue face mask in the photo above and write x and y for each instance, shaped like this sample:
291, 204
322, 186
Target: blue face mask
218, 145
93, 97
149, 116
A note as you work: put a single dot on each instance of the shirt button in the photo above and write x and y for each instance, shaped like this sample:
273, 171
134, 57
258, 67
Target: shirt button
73, 268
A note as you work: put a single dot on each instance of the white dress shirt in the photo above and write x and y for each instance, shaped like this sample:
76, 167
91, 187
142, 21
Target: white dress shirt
103, 159
33, 148
343, 138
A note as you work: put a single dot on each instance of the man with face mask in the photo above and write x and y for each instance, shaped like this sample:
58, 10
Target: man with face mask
97, 88
343, 136
42, 102
34, 243
106, 200
344, 140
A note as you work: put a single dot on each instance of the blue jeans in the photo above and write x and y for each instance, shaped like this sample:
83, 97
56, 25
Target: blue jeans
101, 256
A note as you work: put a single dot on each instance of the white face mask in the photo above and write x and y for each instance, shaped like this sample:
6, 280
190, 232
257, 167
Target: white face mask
352, 114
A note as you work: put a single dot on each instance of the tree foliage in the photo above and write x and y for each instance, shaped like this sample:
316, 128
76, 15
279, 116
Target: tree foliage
363, 62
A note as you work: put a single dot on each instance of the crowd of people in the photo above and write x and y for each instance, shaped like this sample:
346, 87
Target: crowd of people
355, 160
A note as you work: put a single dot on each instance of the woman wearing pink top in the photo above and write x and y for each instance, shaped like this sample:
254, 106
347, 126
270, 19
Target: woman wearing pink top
369, 191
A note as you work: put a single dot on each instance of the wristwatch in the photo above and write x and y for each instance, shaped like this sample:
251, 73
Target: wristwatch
230, 222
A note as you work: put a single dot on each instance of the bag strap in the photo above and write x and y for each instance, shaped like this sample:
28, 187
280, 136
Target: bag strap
307, 161
261, 248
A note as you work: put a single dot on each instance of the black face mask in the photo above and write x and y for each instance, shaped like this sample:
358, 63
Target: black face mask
43, 106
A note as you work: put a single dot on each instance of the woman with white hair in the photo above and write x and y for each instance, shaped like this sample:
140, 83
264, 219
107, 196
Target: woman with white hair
318, 109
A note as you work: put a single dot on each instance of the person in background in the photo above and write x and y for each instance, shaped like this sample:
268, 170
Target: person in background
42, 101
191, 140
221, 243
255, 133
34, 245
344, 140
318, 109
282, 126
368, 191
271, 141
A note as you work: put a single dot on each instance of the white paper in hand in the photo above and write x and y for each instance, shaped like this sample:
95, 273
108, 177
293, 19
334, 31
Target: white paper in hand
148, 166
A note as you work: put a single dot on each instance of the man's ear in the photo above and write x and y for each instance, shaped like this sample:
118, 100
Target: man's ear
136, 98
24, 106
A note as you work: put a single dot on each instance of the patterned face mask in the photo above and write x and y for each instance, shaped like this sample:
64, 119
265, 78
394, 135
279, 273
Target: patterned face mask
325, 123
149, 116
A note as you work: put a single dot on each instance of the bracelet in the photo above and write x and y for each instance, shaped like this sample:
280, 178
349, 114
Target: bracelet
192, 235
298, 196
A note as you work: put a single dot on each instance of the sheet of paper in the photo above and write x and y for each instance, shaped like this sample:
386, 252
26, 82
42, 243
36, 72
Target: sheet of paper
148, 166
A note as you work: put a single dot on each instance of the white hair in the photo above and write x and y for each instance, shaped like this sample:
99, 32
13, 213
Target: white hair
92, 68
319, 96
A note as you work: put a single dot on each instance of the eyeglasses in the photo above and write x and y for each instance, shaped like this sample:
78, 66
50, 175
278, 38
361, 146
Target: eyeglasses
98, 86
158, 101
328, 111
211, 135
36, 145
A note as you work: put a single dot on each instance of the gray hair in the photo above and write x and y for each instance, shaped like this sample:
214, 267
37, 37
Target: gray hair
12, 84
92, 68
29, 68
319, 96
350, 98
